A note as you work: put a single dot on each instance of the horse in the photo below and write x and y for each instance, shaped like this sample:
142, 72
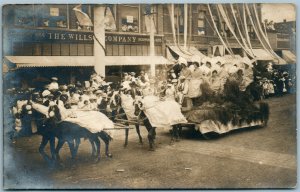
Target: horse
139, 111
120, 113
151, 130
69, 132
48, 129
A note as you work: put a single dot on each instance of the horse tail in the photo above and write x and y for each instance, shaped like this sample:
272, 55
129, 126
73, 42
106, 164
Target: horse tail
104, 135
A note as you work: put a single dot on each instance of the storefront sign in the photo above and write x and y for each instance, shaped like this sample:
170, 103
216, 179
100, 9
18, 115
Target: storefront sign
53, 36
130, 39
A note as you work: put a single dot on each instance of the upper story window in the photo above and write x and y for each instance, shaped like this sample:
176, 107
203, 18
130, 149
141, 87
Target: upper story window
54, 16
179, 18
146, 10
201, 22
73, 21
128, 18
24, 15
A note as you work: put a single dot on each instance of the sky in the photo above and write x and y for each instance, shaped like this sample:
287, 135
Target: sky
278, 12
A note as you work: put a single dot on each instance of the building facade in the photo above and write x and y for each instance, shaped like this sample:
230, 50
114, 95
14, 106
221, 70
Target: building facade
54, 31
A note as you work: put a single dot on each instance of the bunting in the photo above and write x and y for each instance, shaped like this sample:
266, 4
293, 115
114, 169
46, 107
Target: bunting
224, 32
185, 25
246, 30
256, 31
216, 29
230, 27
83, 18
238, 28
171, 13
109, 20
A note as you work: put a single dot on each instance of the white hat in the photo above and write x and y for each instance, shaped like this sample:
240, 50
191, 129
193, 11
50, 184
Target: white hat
196, 58
232, 70
46, 93
54, 78
182, 60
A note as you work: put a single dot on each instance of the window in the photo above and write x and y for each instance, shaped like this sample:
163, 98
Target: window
47, 49
179, 18
251, 31
81, 50
89, 49
149, 9
52, 49
201, 23
24, 15
128, 16
73, 22
73, 50
56, 49
51, 16
65, 49
110, 18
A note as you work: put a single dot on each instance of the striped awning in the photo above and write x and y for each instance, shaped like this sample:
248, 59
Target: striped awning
190, 54
52, 61
84, 61
289, 56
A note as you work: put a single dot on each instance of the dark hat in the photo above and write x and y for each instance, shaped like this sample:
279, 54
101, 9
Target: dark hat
133, 83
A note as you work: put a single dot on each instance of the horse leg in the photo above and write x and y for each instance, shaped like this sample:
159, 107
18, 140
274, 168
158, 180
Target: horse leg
137, 128
106, 138
58, 147
177, 127
97, 142
151, 138
42, 151
126, 136
77, 143
52, 147
93, 147
72, 148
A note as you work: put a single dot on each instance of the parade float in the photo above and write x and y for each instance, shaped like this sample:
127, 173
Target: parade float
229, 108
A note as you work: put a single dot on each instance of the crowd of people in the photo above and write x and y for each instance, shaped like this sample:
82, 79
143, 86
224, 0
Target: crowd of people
186, 80
182, 82
275, 82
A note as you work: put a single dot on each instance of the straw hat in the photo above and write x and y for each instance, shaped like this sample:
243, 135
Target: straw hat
46, 93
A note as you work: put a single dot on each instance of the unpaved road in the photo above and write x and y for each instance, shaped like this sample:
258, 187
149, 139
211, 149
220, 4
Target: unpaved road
250, 158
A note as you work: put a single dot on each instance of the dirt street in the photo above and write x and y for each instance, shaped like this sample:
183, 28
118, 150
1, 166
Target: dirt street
249, 158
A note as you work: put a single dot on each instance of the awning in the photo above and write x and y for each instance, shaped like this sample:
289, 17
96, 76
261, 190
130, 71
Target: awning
261, 54
136, 60
289, 56
280, 61
190, 54
84, 61
52, 61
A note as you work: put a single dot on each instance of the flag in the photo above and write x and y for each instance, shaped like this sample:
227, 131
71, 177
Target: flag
83, 18
109, 21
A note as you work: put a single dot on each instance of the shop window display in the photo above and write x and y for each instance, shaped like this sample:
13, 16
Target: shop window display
54, 16
128, 18
24, 15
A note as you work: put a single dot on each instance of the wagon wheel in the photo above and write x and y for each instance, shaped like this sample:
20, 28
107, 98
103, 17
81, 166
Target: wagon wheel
206, 136
210, 135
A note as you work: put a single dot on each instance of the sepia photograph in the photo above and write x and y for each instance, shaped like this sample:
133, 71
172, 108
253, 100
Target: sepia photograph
149, 96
